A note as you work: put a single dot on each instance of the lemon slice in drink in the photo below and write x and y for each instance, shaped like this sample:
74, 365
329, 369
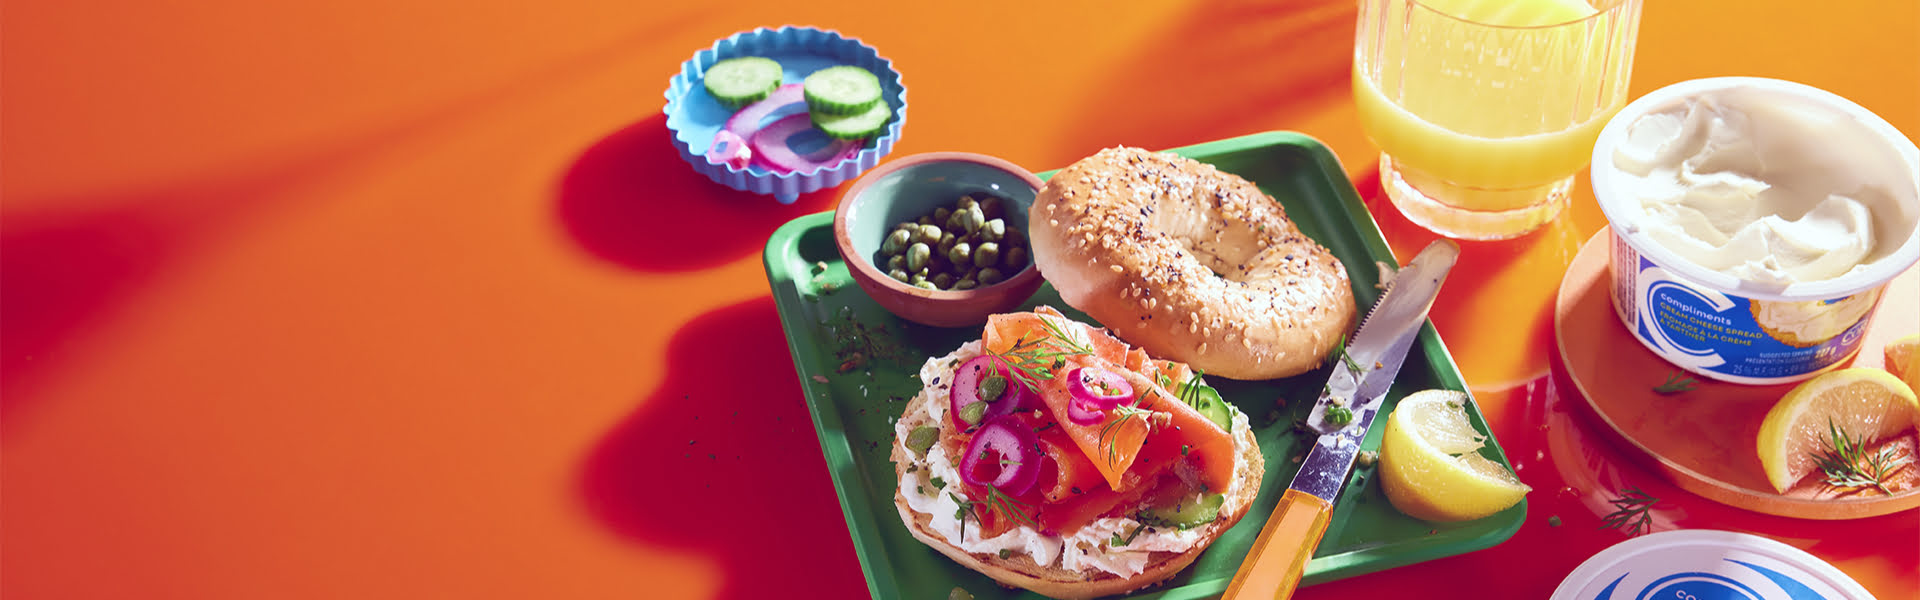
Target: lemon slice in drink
1868, 404
1430, 464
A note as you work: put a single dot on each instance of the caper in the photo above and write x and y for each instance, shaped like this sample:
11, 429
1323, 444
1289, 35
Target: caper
946, 243
942, 281
1016, 257
962, 253
965, 284
898, 275
929, 234
968, 202
926, 220
984, 256
922, 438
972, 413
917, 279
990, 276
940, 214
958, 593
994, 230
975, 220
917, 256
991, 206
896, 241
958, 220
897, 262
926, 285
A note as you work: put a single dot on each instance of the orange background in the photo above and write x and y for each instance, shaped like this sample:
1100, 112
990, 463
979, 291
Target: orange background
413, 298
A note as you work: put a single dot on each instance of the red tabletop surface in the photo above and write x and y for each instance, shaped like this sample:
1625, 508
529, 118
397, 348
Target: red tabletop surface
413, 298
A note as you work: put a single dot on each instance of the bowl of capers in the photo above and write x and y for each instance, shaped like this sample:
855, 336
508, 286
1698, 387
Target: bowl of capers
940, 238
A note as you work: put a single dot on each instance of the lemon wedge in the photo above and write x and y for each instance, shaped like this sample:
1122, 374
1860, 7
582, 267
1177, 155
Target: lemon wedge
1430, 466
1903, 359
1868, 404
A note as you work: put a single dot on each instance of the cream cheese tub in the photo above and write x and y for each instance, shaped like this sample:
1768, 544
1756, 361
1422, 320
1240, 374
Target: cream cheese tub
1704, 564
1755, 222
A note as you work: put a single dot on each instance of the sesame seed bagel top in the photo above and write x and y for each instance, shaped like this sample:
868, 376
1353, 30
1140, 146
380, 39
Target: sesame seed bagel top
1191, 263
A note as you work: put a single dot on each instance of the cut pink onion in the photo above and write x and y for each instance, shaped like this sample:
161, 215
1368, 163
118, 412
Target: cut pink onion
729, 149
774, 144
1084, 413
747, 121
1098, 388
1004, 455
966, 390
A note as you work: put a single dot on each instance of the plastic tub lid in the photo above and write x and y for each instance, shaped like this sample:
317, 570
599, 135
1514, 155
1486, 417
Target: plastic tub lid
1707, 565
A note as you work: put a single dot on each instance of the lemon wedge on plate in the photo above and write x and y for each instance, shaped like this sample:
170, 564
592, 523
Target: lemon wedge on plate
1903, 359
1430, 465
1868, 404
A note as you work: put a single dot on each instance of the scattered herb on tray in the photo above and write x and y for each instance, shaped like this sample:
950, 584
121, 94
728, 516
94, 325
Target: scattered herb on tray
855, 343
1677, 382
1630, 512
1846, 463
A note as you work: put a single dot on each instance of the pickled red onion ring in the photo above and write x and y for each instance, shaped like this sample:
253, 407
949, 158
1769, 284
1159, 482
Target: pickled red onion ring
1084, 413
729, 149
772, 145
1015, 462
1097, 387
747, 121
966, 390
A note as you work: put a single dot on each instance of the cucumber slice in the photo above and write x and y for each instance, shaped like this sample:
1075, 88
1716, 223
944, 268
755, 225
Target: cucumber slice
1191, 512
1207, 400
737, 82
842, 90
864, 124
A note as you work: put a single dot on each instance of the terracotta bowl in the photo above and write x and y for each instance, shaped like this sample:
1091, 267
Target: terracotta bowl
912, 186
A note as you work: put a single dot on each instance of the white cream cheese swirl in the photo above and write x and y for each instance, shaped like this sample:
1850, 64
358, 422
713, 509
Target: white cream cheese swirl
1766, 186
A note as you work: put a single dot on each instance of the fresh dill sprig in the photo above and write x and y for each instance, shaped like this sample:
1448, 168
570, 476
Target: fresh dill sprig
1125, 413
1677, 382
1339, 355
1847, 464
1009, 508
1630, 512
1036, 360
1190, 391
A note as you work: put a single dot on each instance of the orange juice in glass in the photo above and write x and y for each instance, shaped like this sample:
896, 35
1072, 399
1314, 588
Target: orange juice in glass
1485, 110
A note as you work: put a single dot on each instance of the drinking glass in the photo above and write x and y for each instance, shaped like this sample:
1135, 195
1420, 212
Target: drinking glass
1485, 110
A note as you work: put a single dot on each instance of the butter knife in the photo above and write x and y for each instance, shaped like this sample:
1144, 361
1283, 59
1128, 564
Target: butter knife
1279, 556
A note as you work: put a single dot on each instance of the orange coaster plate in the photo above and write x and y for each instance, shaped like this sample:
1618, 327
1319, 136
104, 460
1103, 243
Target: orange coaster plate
1703, 439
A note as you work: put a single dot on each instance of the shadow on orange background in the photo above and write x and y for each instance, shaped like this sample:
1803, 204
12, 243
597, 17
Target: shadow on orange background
1258, 61
723, 461
632, 200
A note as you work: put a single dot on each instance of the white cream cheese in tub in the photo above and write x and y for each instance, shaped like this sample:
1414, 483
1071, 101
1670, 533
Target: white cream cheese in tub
1756, 223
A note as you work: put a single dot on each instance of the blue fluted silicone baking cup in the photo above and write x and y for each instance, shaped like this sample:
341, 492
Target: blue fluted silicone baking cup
694, 116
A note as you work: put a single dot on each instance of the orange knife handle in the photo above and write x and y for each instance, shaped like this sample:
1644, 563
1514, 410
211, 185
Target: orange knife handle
1279, 556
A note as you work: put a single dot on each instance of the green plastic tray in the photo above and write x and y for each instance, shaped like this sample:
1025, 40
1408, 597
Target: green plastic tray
854, 411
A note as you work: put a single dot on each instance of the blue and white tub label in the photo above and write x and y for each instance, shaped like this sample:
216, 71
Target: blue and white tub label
1755, 578
1706, 330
